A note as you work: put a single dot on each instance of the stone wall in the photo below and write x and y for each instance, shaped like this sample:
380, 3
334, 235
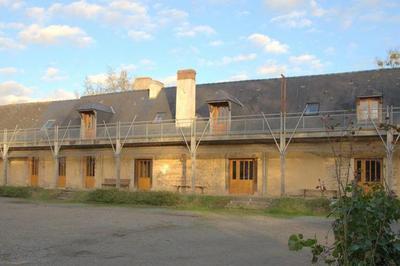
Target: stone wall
305, 164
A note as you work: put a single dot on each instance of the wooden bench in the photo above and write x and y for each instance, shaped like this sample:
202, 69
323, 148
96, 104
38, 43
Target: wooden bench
180, 187
330, 193
112, 182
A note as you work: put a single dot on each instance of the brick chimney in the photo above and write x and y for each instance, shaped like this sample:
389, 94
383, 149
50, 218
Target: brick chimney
185, 96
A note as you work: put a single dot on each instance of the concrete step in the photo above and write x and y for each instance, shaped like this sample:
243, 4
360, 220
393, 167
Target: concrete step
249, 203
66, 194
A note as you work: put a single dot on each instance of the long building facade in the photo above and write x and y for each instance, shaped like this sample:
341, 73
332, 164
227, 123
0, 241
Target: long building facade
267, 137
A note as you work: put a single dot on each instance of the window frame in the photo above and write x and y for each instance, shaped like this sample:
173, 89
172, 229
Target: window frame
307, 112
90, 166
361, 174
361, 117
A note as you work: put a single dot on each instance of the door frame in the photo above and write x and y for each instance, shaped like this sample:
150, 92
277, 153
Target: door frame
85, 171
254, 175
62, 179
136, 172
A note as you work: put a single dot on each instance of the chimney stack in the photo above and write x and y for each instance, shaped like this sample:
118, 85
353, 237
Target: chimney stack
185, 96
146, 83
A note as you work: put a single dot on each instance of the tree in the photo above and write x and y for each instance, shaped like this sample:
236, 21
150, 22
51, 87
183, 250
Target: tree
392, 60
113, 82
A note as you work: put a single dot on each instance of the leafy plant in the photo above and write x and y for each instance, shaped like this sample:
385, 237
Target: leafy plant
362, 230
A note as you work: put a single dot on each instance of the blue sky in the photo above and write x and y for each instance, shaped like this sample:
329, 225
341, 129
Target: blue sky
47, 48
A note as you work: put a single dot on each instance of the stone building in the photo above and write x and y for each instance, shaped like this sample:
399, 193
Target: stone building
246, 137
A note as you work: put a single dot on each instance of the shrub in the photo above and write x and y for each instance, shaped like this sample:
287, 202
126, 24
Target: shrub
362, 231
137, 198
15, 192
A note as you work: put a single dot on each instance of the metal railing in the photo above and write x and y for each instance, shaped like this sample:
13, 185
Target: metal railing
245, 126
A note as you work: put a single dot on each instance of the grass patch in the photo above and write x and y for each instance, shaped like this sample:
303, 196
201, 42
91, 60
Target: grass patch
299, 207
203, 202
113, 196
15, 192
283, 207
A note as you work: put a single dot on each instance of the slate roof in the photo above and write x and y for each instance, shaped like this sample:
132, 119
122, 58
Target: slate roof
331, 91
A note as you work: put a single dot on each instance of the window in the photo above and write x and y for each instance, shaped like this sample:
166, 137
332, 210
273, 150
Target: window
243, 169
49, 124
90, 166
369, 108
312, 109
160, 116
35, 166
368, 170
62, 166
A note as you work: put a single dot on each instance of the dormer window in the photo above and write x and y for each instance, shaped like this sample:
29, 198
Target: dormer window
49, 124
88, 125
220, 117
369, 108
312, 109
159, 117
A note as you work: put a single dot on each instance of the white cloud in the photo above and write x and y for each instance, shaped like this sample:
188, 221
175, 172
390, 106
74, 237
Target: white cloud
226, 60
14, 92
187, 30
317, 10
172, 14
80, 9
7, 71
138, 35
10, 44
284, 5
54, 34
237, 77
98, 78
294, 19
306, 60
271, 69
238, 58
216, 43
53, 74
128, 67
169, 81
11, 25
37, 13
14, 4
60, 94
270, 45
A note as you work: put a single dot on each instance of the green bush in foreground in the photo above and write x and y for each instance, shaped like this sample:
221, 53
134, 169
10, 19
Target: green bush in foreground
15, 192
137, 198
362, 231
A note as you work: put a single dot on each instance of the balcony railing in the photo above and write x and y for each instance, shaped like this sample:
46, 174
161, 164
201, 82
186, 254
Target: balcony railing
236, 127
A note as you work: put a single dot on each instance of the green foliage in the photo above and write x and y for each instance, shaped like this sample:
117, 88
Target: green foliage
15, 192
137, 198
204, 202
362, 231
299, 206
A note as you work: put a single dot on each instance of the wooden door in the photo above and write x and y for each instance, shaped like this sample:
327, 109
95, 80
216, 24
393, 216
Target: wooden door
88, 125
220, 118
242, 177
90, 172
34, 170
368, 172
62, 176
143, 174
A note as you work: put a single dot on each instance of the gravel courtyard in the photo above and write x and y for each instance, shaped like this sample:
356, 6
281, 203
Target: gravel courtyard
74, 234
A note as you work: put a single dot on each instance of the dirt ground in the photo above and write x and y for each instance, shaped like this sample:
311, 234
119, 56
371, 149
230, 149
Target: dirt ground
74, 234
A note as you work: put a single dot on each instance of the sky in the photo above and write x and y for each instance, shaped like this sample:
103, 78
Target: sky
48, 48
